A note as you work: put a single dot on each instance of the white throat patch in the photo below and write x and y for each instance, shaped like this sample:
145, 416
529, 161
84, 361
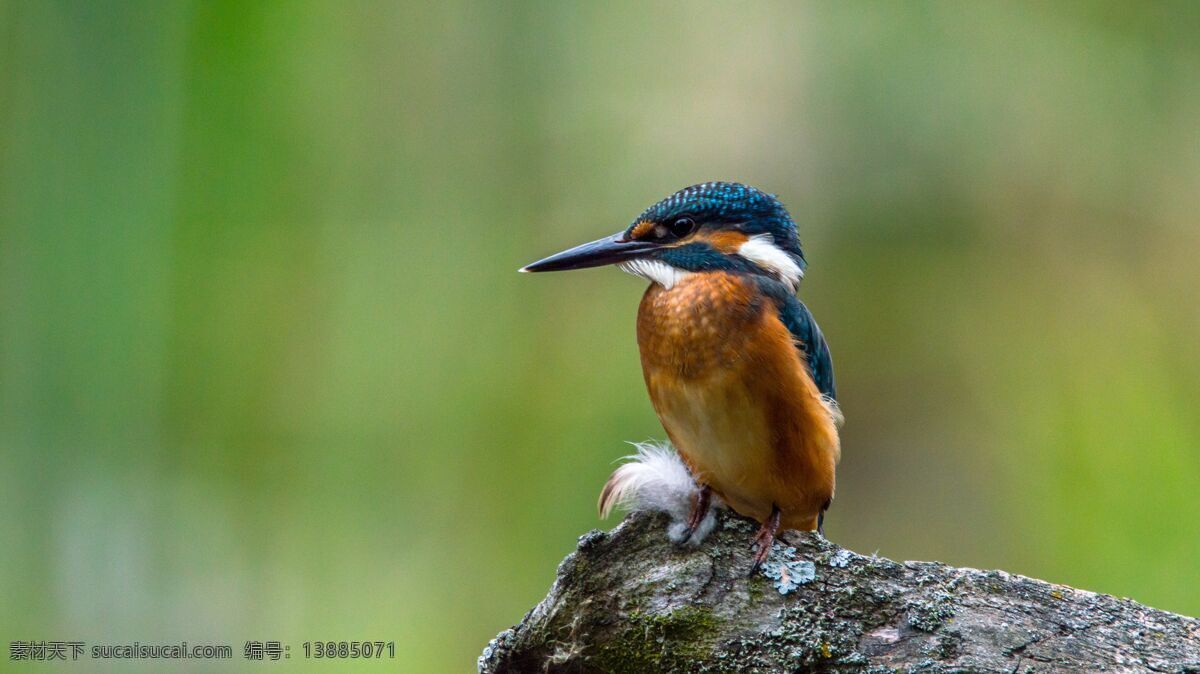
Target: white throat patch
762, 251
655, 271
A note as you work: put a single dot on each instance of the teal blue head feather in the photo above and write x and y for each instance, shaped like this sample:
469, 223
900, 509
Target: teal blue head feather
728, 205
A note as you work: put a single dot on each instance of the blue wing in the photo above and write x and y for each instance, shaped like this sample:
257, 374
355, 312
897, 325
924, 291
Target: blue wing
800, 322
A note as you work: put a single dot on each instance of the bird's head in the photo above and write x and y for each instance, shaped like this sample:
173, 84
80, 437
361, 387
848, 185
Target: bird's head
705, 227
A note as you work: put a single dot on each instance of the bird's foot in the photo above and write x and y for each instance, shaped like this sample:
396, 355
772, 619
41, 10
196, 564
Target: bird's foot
700, 505
764, 539
699, 523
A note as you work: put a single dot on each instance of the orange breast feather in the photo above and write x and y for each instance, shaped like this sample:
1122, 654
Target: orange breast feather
734, 396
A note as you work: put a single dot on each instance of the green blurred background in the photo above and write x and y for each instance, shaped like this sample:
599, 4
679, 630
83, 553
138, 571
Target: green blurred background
267, 370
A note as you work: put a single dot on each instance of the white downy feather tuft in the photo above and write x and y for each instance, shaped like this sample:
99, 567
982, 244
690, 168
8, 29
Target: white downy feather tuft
656, 479
834, 410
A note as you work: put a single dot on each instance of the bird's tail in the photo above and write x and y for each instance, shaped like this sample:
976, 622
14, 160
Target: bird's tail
654, 478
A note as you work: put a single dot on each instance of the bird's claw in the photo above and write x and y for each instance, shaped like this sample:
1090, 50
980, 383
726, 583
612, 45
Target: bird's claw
700, 506
762, 548
764, 540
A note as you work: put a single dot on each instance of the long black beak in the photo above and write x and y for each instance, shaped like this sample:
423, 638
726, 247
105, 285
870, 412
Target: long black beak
609, 250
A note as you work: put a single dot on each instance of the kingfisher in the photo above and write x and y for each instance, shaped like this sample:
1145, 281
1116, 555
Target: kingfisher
737, 370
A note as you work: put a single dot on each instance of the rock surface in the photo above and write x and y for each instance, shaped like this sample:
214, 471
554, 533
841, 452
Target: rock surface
629, 601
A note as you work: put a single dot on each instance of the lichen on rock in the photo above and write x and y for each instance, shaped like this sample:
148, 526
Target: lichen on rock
787, 572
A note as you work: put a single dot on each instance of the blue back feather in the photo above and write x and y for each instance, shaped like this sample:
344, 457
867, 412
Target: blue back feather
800, 322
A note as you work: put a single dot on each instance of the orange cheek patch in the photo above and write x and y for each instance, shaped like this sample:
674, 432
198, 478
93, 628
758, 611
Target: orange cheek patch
726, 242
641, 229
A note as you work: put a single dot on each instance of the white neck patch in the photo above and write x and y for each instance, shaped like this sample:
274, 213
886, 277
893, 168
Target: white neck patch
762, 251
655, 271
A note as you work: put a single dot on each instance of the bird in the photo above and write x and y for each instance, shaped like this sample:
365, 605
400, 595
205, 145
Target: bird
736, 368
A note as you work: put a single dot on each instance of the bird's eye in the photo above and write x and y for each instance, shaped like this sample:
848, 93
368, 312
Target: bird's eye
682, 226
